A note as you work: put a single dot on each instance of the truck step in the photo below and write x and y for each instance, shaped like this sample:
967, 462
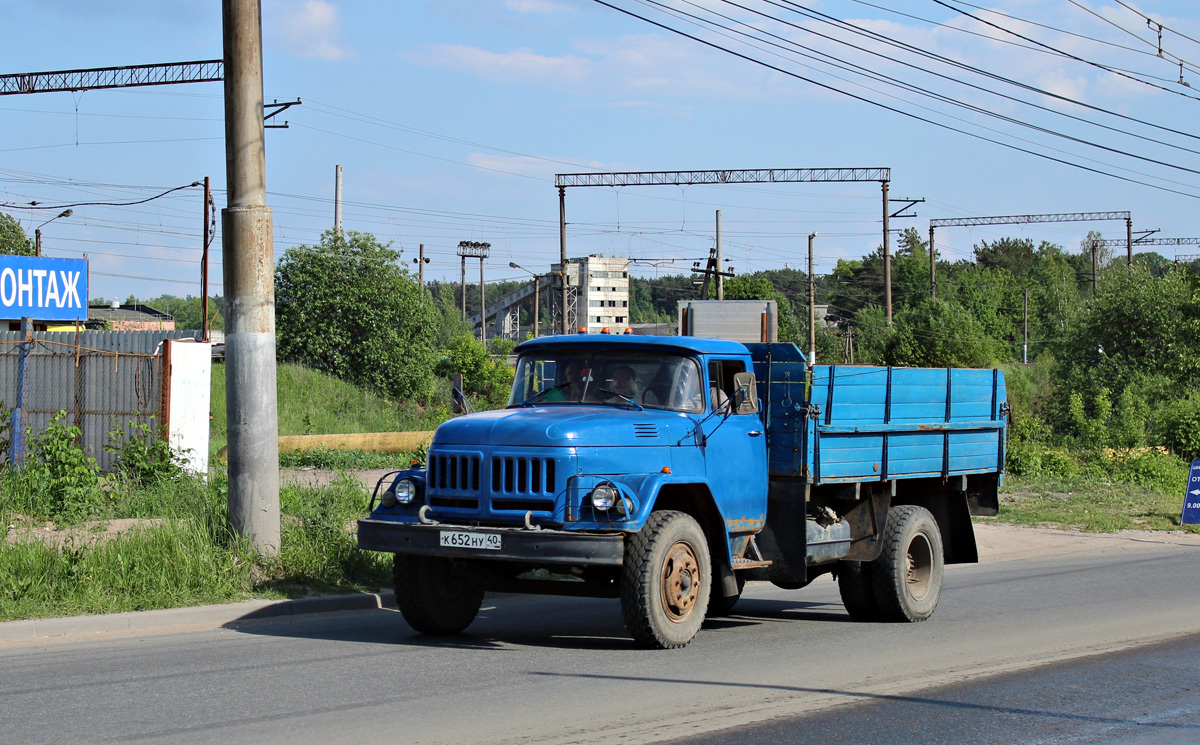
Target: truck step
750, 564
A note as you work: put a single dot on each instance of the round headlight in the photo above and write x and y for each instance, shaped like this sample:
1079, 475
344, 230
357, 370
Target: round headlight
604, 497
405, 490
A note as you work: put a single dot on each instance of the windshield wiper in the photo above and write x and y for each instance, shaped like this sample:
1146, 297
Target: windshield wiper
543, 392
621, 396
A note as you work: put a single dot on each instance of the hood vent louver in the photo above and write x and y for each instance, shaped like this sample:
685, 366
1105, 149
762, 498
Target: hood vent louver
645, 430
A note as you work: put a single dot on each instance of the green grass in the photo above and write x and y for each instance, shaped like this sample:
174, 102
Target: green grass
342, 460
1089, 504
190, 557
312, 403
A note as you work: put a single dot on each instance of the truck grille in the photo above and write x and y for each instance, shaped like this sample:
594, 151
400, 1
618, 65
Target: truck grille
495, 486
517, 475
454, 473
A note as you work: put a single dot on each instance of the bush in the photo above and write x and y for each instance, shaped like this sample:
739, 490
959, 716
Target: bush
62, 479
1181, 427
1030, 454
486, 378
142, 456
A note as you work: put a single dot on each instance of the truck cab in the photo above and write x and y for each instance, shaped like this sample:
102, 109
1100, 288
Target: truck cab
659, 470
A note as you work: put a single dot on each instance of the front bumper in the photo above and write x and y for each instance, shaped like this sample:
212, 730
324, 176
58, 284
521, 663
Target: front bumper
516, 544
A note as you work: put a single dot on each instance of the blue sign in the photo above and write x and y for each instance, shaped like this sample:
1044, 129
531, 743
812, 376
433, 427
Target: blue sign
43, 289
1191, 497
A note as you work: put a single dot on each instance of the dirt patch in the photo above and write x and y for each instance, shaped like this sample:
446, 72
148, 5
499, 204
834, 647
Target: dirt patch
21, 528
1007, 542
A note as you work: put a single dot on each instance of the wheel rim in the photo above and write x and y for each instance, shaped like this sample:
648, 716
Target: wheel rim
918, 574
680, 582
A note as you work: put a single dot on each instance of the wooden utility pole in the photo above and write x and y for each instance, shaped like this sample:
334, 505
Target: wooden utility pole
932, 266
421, 261
204, 261
250, 392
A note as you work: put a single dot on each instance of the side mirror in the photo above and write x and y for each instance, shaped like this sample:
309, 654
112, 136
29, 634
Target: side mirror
745, 394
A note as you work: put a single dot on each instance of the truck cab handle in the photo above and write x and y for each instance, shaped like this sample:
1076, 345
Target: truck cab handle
754, 432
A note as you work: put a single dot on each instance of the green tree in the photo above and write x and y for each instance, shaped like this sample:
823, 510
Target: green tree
485, 377
13, 240
938, 333
348, 307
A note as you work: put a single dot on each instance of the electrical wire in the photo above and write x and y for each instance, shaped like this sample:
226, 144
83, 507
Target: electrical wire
893, 109
37, 206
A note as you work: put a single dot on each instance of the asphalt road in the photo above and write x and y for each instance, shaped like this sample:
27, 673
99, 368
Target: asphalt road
1008, 638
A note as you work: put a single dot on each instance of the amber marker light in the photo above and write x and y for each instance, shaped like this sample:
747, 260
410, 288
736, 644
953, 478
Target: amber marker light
666, 469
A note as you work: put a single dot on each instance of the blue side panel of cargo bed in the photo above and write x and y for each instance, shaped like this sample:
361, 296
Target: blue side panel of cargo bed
880, 423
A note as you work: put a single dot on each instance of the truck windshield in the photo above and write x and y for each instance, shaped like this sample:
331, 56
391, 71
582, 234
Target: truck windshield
608, 377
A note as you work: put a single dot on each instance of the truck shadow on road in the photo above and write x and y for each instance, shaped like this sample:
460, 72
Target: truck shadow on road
509, 622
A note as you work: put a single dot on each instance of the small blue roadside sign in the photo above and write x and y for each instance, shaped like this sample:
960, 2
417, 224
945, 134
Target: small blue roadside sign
43, 289
1191, 497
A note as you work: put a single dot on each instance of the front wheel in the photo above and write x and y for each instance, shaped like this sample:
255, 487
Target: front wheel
434, 596
908, 573
666, 581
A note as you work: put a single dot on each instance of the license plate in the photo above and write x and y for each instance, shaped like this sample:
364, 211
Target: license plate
463, 539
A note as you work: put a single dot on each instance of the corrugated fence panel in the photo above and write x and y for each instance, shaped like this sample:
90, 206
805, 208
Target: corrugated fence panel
116, 383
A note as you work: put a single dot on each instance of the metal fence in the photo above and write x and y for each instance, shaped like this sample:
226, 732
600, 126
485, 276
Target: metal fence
103, 380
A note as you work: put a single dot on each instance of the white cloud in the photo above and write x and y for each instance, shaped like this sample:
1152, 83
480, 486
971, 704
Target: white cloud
628, 66
533, 6
518, 66
311, 29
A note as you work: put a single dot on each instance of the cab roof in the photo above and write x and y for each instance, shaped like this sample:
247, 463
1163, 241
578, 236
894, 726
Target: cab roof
681, 344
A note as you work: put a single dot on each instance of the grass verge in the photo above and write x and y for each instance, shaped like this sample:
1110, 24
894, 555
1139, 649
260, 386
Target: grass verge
312, 402
186, 556
1089, 504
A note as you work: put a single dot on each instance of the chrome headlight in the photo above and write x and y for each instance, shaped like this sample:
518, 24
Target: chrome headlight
405, 491
604, 496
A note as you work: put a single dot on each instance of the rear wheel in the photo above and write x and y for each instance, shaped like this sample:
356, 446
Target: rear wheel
434, 596
907, 576
857, 588
666, 580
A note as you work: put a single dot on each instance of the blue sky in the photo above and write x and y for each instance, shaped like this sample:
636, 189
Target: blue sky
451, 118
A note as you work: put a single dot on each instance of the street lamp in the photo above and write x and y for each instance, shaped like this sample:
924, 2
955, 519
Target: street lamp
37, 234
537, 305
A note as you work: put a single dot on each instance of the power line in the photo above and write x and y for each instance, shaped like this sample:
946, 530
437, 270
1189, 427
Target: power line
947, 99
893, 109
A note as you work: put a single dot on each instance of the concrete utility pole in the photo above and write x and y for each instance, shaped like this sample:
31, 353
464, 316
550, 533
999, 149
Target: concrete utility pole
462, 280
482, 301
1025, 348
720, 266
337, 199
812, 305
562, 256
250, 391
480, 250
887, 256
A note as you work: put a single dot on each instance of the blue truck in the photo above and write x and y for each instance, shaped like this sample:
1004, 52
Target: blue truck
667, 471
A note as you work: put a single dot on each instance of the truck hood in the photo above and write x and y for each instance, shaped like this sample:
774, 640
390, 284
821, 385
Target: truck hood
573, 426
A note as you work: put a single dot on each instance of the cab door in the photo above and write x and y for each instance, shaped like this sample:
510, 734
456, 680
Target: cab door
735, 452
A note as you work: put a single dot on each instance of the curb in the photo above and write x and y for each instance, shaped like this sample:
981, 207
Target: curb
229, 615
